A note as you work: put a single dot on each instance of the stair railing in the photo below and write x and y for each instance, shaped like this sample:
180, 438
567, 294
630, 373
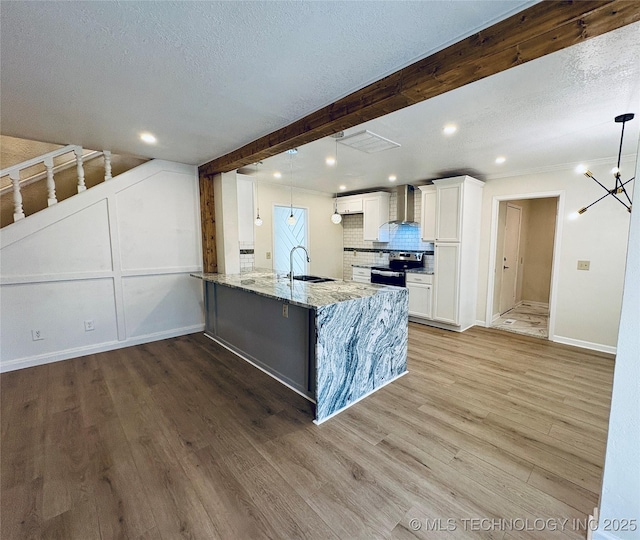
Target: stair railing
13, 173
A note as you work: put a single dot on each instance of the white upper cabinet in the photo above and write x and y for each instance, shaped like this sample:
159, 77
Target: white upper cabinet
376, 216
428, 213
351, 204
448, 210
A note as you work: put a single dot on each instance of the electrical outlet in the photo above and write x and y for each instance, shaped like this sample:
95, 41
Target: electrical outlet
285, 311
89, 325
268, 255
36, 335
583, 265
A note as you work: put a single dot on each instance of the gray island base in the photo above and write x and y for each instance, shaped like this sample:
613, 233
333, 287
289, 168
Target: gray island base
334, 342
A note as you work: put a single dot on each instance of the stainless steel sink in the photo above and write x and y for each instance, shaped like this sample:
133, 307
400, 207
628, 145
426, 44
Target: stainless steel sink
312, 279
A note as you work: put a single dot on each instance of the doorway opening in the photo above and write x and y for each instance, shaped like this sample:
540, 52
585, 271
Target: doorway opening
525, 247
286, 237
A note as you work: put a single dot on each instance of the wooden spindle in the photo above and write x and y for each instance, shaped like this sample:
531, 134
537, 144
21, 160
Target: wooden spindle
18, 212
107, 165
81, 185
51, 186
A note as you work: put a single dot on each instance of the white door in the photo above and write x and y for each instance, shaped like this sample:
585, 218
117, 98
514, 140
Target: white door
286, 237
446, 283
510, 259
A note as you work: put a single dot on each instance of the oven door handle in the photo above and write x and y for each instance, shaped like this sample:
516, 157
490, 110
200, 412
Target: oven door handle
386, 273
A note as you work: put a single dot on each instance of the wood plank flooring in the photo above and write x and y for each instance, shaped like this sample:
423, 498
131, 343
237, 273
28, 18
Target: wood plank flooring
181, 439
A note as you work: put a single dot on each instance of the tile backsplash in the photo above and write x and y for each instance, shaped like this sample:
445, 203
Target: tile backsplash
401, 238
247, 256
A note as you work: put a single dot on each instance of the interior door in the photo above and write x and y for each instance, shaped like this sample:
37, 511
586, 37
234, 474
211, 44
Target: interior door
286, 237
510, 258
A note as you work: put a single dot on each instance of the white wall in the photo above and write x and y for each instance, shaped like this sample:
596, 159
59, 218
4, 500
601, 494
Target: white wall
620, 498
325, 238
588, 303
118, 254
225, 194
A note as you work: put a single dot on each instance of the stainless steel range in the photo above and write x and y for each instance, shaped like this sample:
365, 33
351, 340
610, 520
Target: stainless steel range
395, 273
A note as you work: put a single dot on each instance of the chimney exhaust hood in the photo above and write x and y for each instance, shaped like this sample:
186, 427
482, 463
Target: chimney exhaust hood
405, 206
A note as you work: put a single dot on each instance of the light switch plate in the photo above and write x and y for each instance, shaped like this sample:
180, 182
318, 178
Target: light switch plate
583, 265
268, 255
285, 311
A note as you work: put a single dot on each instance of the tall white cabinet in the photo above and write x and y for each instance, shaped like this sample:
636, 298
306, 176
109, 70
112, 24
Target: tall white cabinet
451, 220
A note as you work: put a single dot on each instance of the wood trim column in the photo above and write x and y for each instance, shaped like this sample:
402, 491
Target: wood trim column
208, 219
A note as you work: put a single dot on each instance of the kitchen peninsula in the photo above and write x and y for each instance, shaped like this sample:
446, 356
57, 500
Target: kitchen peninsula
332, 342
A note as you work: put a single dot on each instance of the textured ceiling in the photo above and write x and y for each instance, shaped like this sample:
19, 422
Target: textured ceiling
205, 77
542, 115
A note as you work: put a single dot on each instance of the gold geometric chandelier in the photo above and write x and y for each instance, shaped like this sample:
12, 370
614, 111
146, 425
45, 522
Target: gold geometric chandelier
618, 189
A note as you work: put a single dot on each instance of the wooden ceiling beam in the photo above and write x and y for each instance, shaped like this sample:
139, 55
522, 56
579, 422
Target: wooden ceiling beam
542, 29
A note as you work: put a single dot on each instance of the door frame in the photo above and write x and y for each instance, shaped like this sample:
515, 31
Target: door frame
555, 263
515, 283
273, 231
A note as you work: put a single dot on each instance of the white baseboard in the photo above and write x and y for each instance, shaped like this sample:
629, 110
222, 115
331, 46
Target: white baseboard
536, 304
481, 323
31, 361
495, 317
584, 344
249, 361
442, 326
334, 413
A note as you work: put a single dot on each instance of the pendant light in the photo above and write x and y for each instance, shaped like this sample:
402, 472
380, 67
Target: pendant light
618, 189
336, 218
258, 220
291, 220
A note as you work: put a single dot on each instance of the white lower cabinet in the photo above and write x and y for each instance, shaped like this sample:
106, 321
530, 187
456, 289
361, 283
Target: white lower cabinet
446, 283
419, 300
361, 275
420, 293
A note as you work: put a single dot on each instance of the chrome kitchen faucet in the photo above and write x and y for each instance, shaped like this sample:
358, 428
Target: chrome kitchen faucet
291, 262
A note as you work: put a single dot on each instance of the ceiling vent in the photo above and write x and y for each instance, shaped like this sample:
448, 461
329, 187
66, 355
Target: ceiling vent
368, 142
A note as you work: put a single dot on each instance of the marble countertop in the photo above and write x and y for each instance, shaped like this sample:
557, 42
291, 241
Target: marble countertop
366, 265
307, 295
420, 271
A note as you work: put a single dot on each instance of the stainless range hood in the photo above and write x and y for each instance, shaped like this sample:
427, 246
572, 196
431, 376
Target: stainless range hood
405, 206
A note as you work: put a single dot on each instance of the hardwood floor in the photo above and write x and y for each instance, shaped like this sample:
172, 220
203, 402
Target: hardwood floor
181, 439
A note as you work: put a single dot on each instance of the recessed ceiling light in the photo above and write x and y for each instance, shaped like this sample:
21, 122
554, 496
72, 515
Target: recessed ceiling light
277, 175
393, 178
500, 160
342, 188
450, 129
330, 161
148, 138
581, 169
